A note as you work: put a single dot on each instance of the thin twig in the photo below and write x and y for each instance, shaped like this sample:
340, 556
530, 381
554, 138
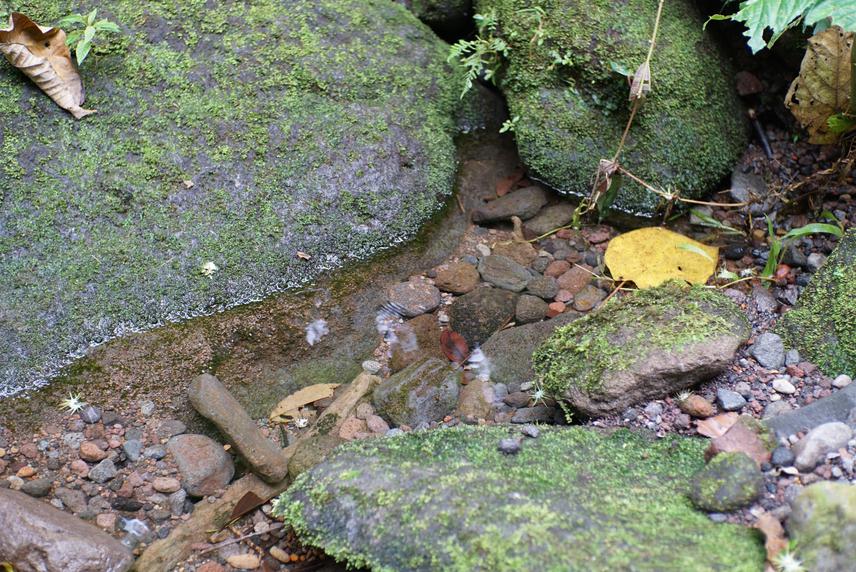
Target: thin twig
614, 292
240, 538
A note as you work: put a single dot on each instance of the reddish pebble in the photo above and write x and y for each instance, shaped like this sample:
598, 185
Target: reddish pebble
26, 471
166, 484
564, 296
555, 308
29, 451
211, 566
79, 468
557, 268
114, 443
91, 452
565, 233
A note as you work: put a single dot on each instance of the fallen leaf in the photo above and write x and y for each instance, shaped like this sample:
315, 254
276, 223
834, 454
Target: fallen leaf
289, 408
42, 55
822, 89
651, 256
717, 425
247, 503
505, 184
774, 535
745, 436
454, 346
303, 256
641, 84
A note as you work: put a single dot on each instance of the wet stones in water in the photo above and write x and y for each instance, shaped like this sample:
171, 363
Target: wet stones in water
530, 309
730, 400
551, 218
214, 402
204, 466
457, 278
504, 273
523, 203
728, 482
480, 313
423, 392
413, 340
769, 350
544, 287
413, 298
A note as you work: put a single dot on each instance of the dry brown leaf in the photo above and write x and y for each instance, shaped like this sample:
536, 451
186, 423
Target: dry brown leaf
717, 425
641, 84
303, 256
823, 87
454, 346
505, 184
651, 256
774, 535
289, 407
42, 55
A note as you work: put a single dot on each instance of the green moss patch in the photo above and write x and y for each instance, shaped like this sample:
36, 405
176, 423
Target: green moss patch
574, 499
627, 330
823, 324
317, 126
573, 106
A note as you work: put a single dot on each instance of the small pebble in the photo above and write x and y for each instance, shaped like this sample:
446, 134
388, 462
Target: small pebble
90, 414
530, 431
370, 366
782, 385
509, 446
842, 381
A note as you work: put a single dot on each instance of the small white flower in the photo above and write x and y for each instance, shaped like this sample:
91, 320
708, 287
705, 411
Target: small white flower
785, 561
73, 403
315, 331
538, 395
208, 269
683, 396
301, 422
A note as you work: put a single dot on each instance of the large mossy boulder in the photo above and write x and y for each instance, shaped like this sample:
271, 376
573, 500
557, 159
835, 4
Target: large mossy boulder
572, 105
823, 324
646, 345
823, 526
572, 500
227, 132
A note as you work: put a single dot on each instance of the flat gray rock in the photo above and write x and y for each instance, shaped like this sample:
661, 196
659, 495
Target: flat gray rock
836, 407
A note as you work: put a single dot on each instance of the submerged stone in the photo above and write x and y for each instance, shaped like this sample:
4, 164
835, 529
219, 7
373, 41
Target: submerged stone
229, 137
574, 499
823, 324
644, 346
573, 106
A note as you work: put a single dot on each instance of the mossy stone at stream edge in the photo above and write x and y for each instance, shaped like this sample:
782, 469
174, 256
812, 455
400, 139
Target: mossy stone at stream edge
731, 480
687, 134
573, 500
823, 324
317, 126
627, 331
823, 526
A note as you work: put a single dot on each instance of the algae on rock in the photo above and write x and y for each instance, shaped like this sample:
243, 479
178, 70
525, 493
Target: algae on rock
643, 346
573, 500
229, 133
572, 106
823, 525
823, 324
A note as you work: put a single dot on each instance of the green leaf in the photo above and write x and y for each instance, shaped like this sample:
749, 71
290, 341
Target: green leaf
695, 250
776, 15
841, 123
707, 220
814, 228
107, 26
88, 34
82, 51
71, 20
838, 12
620, 69
90, 19
73, 37
605, 201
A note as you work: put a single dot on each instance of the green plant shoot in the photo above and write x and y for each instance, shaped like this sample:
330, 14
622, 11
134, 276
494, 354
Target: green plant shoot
80, 40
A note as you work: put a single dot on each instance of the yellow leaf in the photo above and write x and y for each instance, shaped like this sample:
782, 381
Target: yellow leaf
651, 256
42, 55
288, 407
823, 87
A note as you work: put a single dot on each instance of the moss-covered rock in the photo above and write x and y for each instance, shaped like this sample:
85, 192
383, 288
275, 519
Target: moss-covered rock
317, 126
643, 346
823, 526
823, 324
311, 452
572, 500
427, 390
572, 106
728, 482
